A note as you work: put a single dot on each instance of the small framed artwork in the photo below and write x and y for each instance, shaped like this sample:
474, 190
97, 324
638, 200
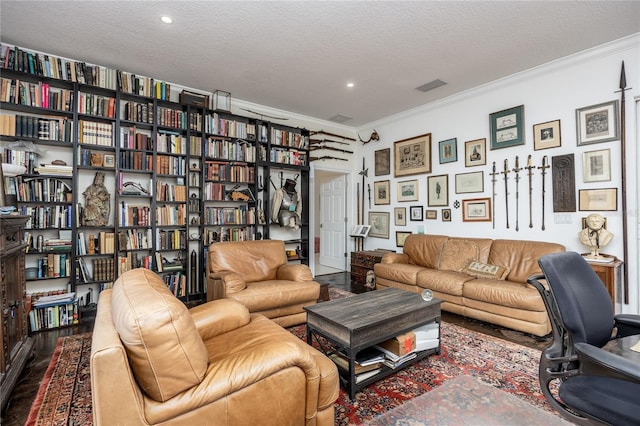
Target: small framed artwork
382, 162
446, 215
597, 123
408, 190
415, 213
96, 160
431, 214
475, 153
401, 236
412, 156
476, 210
469, 182
109, 160
448, 151
381, 191
507, 127
379, 222
438, 190
361, 231
596, 165
546, 135
400, 216
598, 199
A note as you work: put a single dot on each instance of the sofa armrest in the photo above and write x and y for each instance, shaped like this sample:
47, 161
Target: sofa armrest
294, 272
219, 316
395, 258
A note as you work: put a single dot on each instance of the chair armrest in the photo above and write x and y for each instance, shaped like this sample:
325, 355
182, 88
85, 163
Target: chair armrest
218, 317
598, 362
294, 272
221, 283
627, 324
395, 258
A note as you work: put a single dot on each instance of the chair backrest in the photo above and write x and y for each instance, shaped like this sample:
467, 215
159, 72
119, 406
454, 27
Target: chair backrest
583, 303
252, 260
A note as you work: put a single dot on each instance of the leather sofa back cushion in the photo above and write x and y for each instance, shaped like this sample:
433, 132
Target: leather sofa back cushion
521, 257
252, 260
165, 350
424, 249
456, 253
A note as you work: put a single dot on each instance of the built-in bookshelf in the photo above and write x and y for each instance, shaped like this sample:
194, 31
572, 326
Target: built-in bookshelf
179, 177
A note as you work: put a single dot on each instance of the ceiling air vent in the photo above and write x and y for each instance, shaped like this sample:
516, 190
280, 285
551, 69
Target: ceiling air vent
339, 118
431, 85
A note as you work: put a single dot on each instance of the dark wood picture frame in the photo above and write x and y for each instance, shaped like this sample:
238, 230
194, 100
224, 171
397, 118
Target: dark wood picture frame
412, 156
382, 162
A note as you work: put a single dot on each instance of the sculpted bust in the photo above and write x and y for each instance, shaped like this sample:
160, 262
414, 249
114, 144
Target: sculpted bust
594, 235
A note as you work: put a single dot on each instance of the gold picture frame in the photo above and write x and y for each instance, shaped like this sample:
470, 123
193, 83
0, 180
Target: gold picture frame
475, 152
412, 156
476, 210
604, 199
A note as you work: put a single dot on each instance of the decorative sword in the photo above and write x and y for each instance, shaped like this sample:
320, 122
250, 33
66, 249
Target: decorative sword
505, 172
516, 170
530, 167
493, 196
369, 191
543, 168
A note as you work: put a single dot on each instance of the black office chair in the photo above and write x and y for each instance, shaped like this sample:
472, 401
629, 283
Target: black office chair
595, 386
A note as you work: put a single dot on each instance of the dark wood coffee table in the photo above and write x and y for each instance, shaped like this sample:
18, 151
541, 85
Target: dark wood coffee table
358, 322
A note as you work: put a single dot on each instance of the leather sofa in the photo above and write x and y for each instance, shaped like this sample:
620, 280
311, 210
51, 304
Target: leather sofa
153, 361
258, 275
478, 278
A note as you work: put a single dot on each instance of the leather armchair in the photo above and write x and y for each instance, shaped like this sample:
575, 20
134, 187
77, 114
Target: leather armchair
258, 275
153, 361
596, 386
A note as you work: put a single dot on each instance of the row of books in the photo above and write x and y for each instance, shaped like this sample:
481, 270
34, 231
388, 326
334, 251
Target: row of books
284, 156
19, 157
195, 121
40, 95
230, 149
172, 143
48, 217
168, 165
133, 261
54, 265
195, 145
177, 283
229, 172
134, 215
54, 170
131, 139
50, 245
171, 215
45, 190
143, 86
142, 112
241, 215
134, 239
98, 105
58, 315
43, 128
289, 139
103, 269
95, 133
216, 125
135, 160
228, 234
169, 117
165, 265
173, 239
170, 192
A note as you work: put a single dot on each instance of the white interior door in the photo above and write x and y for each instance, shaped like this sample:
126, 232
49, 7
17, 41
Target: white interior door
333, 222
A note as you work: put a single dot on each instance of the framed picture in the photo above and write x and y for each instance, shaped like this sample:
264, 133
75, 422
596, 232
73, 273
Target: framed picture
412, 156
476, 210
431, 214
507, 127
381, 191
96, 160
400, 237
382, 162
475, 153
597, 123
109, 160
546, 135
596, 165
469, 182
446, 215
379, 222
400, 216
408, 190
361, 231
416, 213
448, 151
598, 199
438, 190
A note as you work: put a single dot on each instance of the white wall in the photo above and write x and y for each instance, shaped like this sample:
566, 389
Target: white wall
550, 92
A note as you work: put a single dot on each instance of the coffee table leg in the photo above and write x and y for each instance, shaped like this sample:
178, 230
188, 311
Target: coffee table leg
308, 335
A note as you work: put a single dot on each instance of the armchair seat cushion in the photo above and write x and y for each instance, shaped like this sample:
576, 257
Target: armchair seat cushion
271, 294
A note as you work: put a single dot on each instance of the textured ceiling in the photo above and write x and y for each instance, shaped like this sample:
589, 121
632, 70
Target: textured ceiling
298, 56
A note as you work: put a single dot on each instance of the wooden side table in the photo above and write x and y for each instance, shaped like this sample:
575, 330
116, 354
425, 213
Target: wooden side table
361, 263
610, 274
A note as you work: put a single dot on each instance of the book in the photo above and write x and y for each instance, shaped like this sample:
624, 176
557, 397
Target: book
342, 362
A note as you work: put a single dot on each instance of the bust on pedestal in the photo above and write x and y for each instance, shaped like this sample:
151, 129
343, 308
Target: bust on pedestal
595, 236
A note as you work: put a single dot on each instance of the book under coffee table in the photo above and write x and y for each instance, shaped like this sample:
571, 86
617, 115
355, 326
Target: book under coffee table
361, 321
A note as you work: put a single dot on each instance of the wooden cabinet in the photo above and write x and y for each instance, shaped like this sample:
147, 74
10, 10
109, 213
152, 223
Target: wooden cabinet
611, 276
17, 346
361, 263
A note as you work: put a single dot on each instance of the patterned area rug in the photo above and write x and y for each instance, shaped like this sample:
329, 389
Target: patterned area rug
64, 396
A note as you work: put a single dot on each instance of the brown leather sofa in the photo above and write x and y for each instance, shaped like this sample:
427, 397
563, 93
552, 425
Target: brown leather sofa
493, 289
257, 274
153, 361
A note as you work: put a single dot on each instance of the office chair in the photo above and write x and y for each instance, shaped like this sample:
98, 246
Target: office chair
595, 386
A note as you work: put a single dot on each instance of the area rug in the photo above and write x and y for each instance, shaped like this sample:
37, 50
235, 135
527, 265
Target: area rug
64, 396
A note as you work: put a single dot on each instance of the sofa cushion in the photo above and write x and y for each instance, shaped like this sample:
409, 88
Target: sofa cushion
504, 293
399, 272
484, 270
257, 260
275, 294
521, 257
424, 249
165, 350
456, 254
448, 282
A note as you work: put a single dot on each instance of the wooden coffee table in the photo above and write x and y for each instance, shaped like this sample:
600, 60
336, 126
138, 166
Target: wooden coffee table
358, 322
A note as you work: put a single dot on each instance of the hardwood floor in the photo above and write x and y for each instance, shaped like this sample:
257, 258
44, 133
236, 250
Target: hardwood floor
24, 393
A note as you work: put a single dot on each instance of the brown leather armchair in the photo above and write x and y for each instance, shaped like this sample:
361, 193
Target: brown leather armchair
257, 274
153, 361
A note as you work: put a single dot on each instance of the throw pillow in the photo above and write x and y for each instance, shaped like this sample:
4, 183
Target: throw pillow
485, 270
456, 253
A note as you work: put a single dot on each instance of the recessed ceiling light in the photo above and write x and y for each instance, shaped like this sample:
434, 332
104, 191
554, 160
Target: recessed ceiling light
166, 19
350, 84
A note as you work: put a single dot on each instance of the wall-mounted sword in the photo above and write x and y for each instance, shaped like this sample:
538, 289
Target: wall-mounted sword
494, 179
530, 167
543, 168
516, 170
369, 191
505, 172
